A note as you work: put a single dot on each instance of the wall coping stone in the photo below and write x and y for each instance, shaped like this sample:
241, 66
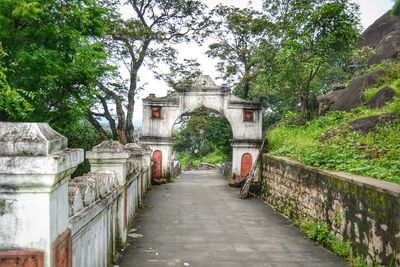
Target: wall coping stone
108, 150
134, 149
108, 146
30, 139
373, 183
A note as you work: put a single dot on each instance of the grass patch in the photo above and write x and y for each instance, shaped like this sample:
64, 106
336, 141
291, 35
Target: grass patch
319, 232
217, 156
391, 79
375, 154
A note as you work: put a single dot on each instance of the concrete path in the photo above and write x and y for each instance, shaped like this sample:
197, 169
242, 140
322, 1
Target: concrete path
200, 221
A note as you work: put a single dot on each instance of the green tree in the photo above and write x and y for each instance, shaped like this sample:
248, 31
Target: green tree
53, 51
181, 74
12, 105
314, 37
396, 8
203, 131
146, 38
237, 34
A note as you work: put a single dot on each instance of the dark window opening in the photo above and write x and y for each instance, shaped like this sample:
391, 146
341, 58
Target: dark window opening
248, 115
156, 112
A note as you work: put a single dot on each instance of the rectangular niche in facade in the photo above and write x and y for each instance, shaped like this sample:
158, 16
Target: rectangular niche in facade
156, 112
248, 115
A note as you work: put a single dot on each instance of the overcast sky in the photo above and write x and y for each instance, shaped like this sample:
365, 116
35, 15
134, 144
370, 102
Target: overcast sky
370, 10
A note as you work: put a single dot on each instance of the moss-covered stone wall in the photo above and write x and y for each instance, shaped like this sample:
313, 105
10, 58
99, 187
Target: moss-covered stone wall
359, 209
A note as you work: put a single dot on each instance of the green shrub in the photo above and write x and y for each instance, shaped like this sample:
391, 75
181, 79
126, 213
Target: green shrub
375, 154
217, 156
319, 232
390, 79
81, 135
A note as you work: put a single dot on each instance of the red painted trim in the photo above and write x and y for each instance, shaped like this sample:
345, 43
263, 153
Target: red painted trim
125, 206
12, 254
64, 241
141, 184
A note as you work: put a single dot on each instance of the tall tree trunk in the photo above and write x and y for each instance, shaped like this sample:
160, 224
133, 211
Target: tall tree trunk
97, 125
121, 121
246, 82
129, 129
108, 117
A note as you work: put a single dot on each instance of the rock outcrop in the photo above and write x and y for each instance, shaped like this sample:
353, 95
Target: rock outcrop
363, 125
381, 98
349, 98
384, 37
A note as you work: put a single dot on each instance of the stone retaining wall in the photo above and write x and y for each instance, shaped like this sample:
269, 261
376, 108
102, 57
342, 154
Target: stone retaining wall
362, 210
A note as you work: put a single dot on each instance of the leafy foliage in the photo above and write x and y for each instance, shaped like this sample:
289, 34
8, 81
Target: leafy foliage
204, 135
81, 134
396, 8
181, 74
319, 232
52, 53
237, 34
146, 38
390, 79
375, 154
314, 38
13, 106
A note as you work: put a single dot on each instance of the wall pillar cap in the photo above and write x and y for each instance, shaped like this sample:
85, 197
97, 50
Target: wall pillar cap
30, 139
32, 155
134, 149
111, 150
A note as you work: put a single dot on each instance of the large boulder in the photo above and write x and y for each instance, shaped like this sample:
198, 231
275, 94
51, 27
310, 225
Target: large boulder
349, 98
382, 97
387, 48
379, 29
384, 37
363, 125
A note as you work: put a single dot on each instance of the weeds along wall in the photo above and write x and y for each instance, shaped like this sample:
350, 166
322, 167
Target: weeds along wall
358, 209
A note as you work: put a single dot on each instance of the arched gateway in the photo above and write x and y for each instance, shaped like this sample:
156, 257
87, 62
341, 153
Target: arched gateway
244, 116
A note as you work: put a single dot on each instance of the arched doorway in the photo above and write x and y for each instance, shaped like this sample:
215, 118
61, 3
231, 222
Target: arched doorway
156, 169
246, 164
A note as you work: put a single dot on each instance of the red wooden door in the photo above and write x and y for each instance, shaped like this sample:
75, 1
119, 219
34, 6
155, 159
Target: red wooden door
246, 164
156, 169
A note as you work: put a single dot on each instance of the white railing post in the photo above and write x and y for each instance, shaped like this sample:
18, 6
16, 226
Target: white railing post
112, 156
35, 166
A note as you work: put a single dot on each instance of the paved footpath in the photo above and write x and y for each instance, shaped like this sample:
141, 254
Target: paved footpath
200, 221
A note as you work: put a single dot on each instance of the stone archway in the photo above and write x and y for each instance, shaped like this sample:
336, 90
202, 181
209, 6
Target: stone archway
244, 116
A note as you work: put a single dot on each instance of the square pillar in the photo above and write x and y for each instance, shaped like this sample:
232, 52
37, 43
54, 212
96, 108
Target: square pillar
111, 156
35, 166
136, 155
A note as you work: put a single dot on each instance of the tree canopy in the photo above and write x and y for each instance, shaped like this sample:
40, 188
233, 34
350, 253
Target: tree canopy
145, 38
202, 132
314, 37
52, 54
237, 34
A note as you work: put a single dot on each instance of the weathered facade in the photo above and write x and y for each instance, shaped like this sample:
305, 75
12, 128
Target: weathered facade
160, 114
362, 210
48, 219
